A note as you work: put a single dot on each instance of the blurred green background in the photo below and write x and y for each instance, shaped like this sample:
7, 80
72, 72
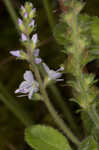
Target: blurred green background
12, 109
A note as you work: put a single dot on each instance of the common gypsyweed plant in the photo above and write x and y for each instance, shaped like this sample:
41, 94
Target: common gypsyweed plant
77, 34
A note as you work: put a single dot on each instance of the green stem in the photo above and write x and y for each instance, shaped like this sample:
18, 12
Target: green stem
17, 109
93, 115
11, 11
64, 107
51, 109
77, 56
62, 103
49, 12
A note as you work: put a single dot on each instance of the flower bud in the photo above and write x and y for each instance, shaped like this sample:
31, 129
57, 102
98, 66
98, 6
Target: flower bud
32, 13
21, 25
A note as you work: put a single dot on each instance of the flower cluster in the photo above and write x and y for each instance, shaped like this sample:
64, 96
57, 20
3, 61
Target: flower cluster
26, 25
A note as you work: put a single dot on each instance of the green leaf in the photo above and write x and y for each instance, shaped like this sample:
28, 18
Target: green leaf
95, 30
46, 138
95, 53
60, 33
89, 144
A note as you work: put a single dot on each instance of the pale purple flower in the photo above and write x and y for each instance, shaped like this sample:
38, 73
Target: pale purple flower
20, 22
35, 38
53, 75
23, 37
32, 23
15, 53
38, 60
23, 10
29, 86
36, 54
33, 10
22, 7
61, 69
25, 15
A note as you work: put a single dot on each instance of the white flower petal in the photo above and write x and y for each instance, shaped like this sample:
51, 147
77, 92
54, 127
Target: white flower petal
17, 91
35, 38
61, 68
54, 74
58, 75
59, 79
22, 95
28, 76
46, 68
31, 4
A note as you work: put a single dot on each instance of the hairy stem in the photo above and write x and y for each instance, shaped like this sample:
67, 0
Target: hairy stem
64, 107
93, 115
